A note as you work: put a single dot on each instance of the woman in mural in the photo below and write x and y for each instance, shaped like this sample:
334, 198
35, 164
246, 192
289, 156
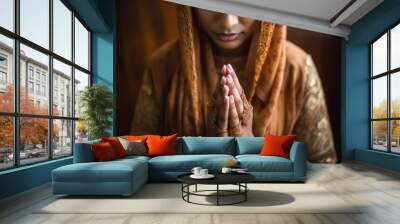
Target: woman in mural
232, 76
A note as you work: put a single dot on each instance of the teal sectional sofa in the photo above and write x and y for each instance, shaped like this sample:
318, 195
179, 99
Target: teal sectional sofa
125, 176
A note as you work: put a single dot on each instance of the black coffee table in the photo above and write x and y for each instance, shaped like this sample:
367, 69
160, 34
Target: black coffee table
238, 179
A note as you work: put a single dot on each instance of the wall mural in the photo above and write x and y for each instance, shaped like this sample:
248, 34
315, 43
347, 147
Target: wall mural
225, 75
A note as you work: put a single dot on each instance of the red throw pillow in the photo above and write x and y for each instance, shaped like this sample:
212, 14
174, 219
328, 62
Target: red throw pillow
161, 145
103, 152
116, 145
277, 145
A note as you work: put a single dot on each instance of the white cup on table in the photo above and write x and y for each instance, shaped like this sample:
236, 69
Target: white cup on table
203, 172
196, 171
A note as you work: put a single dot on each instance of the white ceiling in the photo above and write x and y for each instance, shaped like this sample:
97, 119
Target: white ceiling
333, 17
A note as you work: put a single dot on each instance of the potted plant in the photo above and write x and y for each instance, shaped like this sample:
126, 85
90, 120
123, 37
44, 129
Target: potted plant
96, 103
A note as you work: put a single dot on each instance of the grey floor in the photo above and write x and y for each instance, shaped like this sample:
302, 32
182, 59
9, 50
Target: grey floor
377, 188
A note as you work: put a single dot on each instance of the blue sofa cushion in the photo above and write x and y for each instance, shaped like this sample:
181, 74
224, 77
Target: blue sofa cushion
128, 159
111, 171
207, 145
249, 145
185, 163
257, 163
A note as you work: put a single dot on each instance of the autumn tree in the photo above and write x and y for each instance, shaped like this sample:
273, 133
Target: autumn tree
396, 123
33, 131
6, 122
380, 127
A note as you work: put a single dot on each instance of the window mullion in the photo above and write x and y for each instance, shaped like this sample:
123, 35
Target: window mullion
389, 106
371, 89
73, 82
50, 81
16, 70
89, 62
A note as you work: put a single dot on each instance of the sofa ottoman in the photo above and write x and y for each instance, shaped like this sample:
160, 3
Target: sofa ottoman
119, 177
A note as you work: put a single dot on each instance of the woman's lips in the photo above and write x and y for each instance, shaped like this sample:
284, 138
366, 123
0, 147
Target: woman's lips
227, 36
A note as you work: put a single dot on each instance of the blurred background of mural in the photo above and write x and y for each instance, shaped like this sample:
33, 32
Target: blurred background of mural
144, 25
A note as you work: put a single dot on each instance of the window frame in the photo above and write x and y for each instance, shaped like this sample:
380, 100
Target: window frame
16, 115
388, 74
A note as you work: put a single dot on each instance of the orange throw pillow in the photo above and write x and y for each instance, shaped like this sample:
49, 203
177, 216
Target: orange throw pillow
103, 152
116, 145
277, 145
161, 145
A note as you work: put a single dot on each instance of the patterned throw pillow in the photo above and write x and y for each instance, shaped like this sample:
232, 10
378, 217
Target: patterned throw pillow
134, 147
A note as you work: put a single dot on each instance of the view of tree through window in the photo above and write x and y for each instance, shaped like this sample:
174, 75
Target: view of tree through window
41, 122
385, 91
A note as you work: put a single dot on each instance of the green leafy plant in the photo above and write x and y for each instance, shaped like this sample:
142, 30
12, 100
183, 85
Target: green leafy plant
96, 102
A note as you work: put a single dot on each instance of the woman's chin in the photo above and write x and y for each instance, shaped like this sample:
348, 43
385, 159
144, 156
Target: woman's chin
229, 45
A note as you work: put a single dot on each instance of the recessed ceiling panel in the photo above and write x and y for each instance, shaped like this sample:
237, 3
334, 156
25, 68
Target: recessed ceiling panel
326, 16
319, 9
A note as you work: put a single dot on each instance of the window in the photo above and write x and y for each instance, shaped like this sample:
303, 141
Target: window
81, 81
30, 72
7, 14
30, 87
3, 72
37, 89
81, 45
6, 73
3, 61
33, 148
62, 31
395, 47
54, 66
6, 142
62, 137
38, 74
34, 21
62, 74
3, 78
40, 62
44, 91
385, 91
